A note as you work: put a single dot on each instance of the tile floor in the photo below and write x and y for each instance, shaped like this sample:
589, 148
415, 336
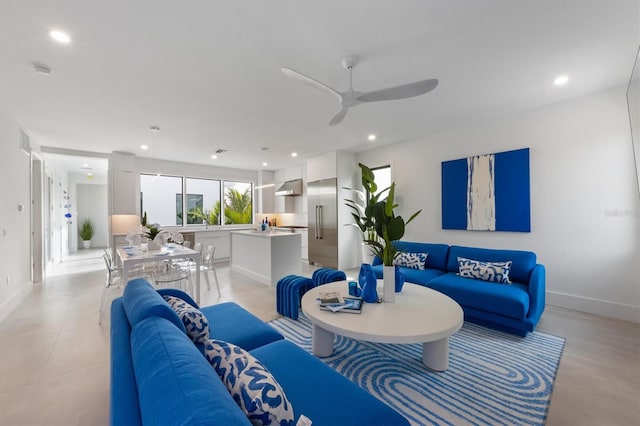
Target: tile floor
54, 357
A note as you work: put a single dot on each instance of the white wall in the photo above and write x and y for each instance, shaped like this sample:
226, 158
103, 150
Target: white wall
15, 241
92, 204
585, 210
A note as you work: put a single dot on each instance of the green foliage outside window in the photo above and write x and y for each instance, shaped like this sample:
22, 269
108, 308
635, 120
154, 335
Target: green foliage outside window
237, 209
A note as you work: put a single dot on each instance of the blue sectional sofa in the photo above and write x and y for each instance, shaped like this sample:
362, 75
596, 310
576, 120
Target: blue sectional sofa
159, 376
514, 308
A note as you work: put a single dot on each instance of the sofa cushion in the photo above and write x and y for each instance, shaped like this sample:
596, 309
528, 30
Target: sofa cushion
508, 300
141, 301
411, 260
234, 324
522, 264
175, 382
497, 272
251, 385
437, 258
319, 392
193, 319
415, 276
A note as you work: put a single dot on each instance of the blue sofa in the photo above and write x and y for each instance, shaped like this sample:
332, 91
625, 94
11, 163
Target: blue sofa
159, 376
514, 308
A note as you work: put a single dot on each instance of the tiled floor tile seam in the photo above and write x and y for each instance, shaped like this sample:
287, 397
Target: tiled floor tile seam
40, 378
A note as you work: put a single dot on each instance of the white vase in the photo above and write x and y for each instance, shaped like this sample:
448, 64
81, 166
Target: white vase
86, 244
389, 284
152, 245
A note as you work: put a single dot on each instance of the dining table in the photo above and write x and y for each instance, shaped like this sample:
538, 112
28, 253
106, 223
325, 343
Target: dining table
133, 256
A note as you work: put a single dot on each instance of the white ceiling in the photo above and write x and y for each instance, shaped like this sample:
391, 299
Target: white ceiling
208, 72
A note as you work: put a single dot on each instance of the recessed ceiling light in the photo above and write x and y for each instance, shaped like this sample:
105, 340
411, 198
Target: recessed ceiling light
264, 164
144, 147
214, 156
294, 154
60, 36
561, 80
85, 165
372, 137
89, 175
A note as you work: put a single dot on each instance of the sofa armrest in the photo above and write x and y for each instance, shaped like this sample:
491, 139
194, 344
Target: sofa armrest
537, 292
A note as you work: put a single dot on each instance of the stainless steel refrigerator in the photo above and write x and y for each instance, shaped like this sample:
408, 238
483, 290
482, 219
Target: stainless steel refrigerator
322, 197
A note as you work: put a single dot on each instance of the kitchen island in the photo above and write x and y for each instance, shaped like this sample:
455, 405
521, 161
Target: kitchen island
266, 256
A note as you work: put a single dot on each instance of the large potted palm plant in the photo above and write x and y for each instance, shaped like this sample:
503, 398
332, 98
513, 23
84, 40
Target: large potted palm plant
388, 228
369, 196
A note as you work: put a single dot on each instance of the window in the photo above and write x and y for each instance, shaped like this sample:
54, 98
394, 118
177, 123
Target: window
159, 199
203, 201
382, 176
166, 198
238, 202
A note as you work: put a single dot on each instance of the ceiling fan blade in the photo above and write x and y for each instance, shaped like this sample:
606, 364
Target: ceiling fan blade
399, 92
339, 116
310, 82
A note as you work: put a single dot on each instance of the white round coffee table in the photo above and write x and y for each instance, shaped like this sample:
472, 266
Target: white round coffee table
419, 315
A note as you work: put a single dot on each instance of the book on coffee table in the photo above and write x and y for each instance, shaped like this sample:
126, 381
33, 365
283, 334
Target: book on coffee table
330, 298
350, 305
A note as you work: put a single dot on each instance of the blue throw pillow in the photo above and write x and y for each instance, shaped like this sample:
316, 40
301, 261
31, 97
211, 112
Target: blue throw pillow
194, 321
497, 272
411, 260
251, 385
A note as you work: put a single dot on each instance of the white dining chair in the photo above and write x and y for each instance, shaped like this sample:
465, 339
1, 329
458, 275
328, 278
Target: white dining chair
113, 279
207, 265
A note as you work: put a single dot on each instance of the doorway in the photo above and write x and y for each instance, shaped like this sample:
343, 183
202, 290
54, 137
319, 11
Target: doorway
75, 189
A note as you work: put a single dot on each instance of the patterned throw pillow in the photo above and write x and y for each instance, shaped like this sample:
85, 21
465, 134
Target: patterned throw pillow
497, 272
411, 260
251, 385
194, 321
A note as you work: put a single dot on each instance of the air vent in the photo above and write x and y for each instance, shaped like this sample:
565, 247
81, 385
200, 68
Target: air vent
25, 143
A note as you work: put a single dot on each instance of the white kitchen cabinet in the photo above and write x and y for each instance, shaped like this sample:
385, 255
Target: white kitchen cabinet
220, 240
125, 184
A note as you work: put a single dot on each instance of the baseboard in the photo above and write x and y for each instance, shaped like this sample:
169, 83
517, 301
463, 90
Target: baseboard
246, 272
604, 308
10, 304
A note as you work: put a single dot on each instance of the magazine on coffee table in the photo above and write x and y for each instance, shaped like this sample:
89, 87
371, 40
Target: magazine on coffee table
350, 305
330, 298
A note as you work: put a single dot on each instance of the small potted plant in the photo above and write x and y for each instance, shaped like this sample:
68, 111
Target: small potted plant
85, 232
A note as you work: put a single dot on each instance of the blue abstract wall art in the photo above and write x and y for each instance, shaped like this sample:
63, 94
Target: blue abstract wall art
487, 192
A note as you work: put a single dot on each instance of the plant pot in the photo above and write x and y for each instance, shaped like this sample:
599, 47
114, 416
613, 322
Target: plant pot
389, 286
86, 244
152, 245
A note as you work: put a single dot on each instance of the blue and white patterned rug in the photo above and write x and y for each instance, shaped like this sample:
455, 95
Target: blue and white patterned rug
493, 378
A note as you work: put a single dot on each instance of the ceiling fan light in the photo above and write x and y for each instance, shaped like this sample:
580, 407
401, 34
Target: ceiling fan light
561, 80
60, 36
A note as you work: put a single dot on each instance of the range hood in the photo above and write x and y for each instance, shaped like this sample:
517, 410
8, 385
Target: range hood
290, 187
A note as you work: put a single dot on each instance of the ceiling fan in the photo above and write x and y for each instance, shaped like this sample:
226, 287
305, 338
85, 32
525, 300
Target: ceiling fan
352, 98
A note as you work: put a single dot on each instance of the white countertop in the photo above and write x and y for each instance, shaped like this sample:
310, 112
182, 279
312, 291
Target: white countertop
265, 234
